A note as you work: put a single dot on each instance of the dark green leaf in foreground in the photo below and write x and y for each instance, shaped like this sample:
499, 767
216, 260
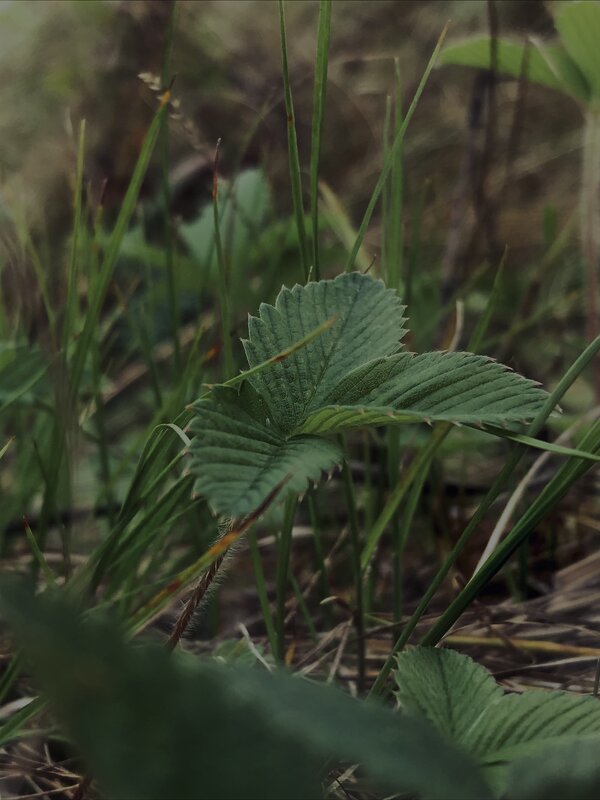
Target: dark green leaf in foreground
451, 690
350, 375
466, 704
158, 727
560, 772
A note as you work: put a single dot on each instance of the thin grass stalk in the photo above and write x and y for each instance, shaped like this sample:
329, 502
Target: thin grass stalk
394, 500
14, 727
505, 474
394, 268
319, 95
320, 564
590, 227
359, 610
396, 193
293, 155
552, 493
385, 197
102, 437
222, 275
304, 610
414, 253
261, 589
170, 262
71, 302
485, 319
96, 298
405, 527
396, 146
10, 676
283, 566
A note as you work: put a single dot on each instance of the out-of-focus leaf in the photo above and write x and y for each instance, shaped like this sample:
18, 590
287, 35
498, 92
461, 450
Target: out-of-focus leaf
560, 772
546, 64
22, 369
244, 207
159, 727
451, 690
579, 26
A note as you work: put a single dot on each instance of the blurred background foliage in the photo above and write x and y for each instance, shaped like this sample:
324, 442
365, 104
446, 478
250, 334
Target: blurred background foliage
69, 61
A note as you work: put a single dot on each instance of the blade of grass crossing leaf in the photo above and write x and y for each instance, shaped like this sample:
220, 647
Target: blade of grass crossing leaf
96, 297
393, 266
505, 474
390, 160
549, 447
293, 155
281, 356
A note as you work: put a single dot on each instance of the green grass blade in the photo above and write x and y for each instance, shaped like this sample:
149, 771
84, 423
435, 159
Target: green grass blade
391, 157
170, 262
283, 567
552, 493
553, 399
222, 277
395, 232
320, 91
399, 493
293, 155
71, 303
261, 590
110, 259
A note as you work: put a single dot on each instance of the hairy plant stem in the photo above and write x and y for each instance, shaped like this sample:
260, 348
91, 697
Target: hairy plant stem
192, 604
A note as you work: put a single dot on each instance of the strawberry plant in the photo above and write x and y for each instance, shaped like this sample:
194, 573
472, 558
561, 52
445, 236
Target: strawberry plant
277, 427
